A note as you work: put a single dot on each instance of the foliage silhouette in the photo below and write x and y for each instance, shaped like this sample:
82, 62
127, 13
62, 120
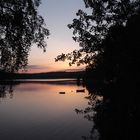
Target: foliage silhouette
90, 30
109, 41
20, 27
112, 110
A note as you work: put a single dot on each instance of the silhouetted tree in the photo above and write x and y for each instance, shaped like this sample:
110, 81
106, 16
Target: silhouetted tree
90, 30
109, 40
20, 27
112, 111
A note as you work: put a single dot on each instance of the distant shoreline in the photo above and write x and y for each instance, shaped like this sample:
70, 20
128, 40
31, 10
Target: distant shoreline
50, 75
41, 81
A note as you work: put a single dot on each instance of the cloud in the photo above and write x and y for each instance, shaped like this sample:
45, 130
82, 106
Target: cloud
37, 67
75, 70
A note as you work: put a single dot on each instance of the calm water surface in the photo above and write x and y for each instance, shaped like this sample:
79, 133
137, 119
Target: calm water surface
37, 111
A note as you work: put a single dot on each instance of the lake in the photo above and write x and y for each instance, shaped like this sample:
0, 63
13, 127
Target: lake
43, 110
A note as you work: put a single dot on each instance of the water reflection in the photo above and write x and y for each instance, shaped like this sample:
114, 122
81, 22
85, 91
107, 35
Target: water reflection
7, 87
89, 112
37, 111
6, 91
112, 110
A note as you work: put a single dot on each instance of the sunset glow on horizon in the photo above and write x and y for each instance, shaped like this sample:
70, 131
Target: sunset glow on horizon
57, 15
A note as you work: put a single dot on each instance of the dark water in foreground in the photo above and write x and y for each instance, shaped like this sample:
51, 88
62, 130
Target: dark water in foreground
37, 111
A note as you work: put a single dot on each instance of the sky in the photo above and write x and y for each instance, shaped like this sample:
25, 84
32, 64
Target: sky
57, 15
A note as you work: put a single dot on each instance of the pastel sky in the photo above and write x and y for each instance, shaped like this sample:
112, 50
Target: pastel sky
57, 14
